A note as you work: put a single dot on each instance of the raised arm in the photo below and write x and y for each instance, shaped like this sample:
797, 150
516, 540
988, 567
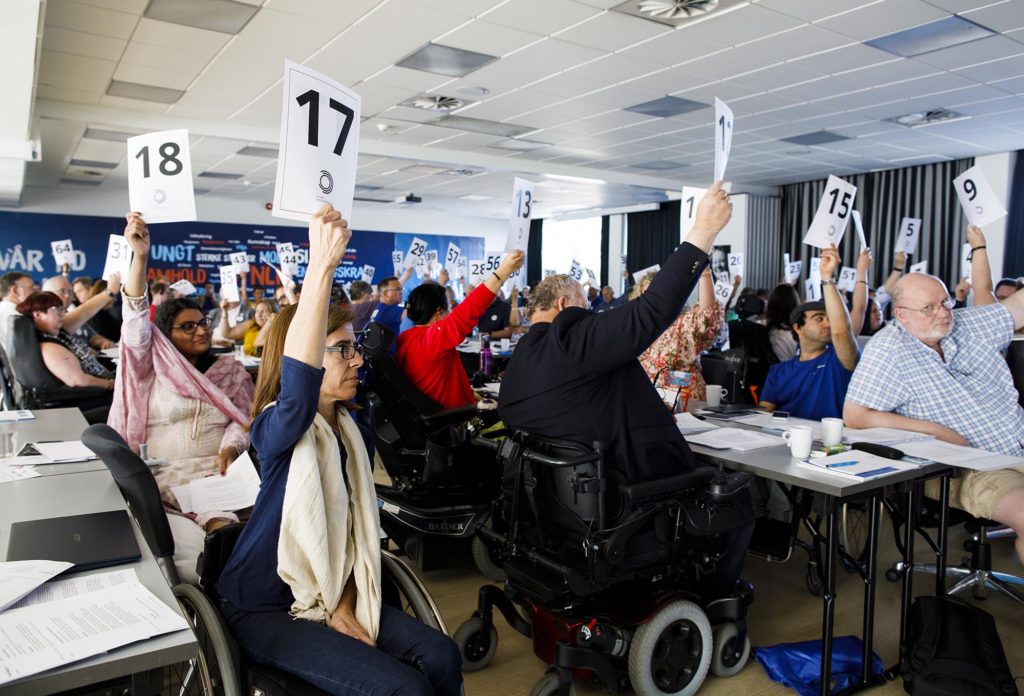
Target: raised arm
232, 333
706, 290
835, 308
858, 312
77, 316
136, 328
981, 273
899, 262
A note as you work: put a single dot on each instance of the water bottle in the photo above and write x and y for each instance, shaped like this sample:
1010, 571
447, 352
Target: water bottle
485, 355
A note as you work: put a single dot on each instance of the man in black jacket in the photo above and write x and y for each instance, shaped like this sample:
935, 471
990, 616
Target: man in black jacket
576, 376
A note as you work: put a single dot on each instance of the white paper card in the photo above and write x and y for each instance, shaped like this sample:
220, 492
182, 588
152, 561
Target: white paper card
160, 177
367, 273
965, 261
64, 451
723, 137
63, 252
793, 271
723, 291
858, 225
476, 271
979, 201
688, 209
430, 257
240, 262
812, 290
833, 214
289, 263
119, 257
919, 267
847, 280
522, 210
576, 271
229, 284
319, 143
643, 272
736, 265
451, 258
910, 230
396, 261
235, 490
815, 272
183, 288
417, 248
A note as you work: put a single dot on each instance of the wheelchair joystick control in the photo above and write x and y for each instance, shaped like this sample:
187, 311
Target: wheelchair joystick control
725, 485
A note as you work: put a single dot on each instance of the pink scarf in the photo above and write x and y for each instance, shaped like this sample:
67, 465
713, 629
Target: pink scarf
226, 386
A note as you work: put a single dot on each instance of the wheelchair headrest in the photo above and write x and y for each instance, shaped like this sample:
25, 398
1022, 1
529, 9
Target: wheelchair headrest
386, 378
29, 368
377, 339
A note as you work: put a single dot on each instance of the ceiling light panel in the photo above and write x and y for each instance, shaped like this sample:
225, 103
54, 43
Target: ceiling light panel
934, 36
445, 60
92, 164
520, 145
108, 135
257, 151
666, 107
150, 93
224, 16
221, 175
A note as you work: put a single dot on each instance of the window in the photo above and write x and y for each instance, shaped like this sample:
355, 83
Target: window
566, 240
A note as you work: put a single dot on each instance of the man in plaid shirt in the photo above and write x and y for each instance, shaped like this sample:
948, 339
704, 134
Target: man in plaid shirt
942, 372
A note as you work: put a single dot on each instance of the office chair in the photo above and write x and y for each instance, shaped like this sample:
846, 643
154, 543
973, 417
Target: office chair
8, 385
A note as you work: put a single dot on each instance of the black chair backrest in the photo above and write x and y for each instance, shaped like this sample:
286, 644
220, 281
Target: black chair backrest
28, 365
404, 404
726, 370
1015, 358
137, 485
7, 384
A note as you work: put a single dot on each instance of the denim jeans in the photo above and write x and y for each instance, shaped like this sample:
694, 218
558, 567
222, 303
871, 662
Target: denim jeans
410, 658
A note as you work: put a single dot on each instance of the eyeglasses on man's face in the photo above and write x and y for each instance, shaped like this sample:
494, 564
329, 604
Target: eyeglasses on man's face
929, 310
190, 327
346, 350
59, 311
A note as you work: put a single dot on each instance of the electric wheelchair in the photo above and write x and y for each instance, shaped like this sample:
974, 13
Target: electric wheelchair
220, 668
607, 574
442, 483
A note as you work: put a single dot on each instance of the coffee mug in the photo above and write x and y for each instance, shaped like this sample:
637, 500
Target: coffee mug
831, 431
715, 394
799, 439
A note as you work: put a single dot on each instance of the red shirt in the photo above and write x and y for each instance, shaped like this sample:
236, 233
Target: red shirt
428, 357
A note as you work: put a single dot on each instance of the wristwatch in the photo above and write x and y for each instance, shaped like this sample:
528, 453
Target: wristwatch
828, 282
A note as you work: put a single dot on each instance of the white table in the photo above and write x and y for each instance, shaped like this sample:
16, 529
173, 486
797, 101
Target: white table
74, 494
57, 424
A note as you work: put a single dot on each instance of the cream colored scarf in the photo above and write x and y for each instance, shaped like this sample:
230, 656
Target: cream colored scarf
330, 532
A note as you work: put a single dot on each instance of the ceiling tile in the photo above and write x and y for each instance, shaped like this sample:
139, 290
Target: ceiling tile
337, 14
1004, 16
68, 94
810, 11
151, 31
150, 56
741, 25
675, 47
485, 37
613, 31
598, 74
545, 58
882, 18
995, 70
796, 43
776, 77
541, 16
156, 77
980, 51
82, 44
76, 16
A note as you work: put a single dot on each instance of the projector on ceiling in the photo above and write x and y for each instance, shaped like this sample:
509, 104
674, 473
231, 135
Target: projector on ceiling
409, 198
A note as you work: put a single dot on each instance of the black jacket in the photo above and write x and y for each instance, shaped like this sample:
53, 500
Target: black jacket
578, 378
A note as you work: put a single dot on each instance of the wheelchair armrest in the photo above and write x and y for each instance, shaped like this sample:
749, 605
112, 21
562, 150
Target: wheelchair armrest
696, 479
449, 416
67, 394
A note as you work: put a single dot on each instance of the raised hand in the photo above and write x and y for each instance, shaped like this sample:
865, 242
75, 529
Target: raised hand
714, 209
900, 261
829, 262
864, 261
136, 234
512, 262
443, 277
975, 236
114, 284
328, 236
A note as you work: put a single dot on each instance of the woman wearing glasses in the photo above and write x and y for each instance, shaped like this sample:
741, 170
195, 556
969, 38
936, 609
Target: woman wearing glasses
301, 590
190, 406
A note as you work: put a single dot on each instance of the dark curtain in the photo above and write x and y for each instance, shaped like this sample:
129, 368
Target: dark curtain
1013, 255
884, 199
534, 272
763, 259
651, 236
605, 241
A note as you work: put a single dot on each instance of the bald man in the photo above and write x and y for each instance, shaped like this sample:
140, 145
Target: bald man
77, 317
942, 372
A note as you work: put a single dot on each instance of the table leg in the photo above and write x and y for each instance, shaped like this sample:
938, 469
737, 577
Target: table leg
940, 554
870, 587
150, 683
829, 595
907, 595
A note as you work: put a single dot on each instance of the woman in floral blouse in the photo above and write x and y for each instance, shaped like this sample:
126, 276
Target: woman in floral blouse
689, 336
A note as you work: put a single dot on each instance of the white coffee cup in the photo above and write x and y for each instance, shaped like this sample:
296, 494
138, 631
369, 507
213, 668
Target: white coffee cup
831, 431
799, 439
715, 394
506, 345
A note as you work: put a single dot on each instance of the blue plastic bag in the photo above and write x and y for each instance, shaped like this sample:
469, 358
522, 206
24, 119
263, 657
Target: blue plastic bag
798, 665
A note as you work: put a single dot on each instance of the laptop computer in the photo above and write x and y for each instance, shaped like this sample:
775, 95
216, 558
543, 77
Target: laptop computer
93, 540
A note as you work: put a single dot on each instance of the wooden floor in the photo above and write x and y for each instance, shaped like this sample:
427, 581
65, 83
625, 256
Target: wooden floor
783, 611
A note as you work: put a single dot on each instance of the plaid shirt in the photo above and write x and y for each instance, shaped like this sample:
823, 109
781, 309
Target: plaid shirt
970, 391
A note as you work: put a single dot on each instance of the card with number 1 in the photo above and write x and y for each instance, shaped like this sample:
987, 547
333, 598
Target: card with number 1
723, 137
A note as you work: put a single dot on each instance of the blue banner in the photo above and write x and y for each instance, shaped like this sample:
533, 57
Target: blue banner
195, 250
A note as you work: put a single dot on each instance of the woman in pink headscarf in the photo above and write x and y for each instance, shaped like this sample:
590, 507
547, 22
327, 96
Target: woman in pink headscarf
189, 406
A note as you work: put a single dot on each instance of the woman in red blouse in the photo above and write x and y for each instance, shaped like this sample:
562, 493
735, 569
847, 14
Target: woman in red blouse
426, 352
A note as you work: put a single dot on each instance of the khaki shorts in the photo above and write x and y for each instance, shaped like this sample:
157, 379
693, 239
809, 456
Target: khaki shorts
977, 491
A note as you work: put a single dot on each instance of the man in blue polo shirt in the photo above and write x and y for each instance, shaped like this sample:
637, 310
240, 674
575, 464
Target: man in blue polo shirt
389, 310
813, 384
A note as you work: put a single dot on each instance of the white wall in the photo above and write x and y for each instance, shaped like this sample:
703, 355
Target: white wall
244, 211
998, 169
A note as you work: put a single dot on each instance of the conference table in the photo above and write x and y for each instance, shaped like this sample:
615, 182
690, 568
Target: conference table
777, 464
52, 424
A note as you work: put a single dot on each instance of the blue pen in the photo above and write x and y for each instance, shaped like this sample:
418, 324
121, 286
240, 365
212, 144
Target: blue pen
836, 465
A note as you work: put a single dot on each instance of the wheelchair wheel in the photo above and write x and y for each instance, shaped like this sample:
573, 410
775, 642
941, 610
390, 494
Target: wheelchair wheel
485, 562
477, 649
728, 658
548, 685
671, 652
415, 600
853, 533
214, 671
815, 583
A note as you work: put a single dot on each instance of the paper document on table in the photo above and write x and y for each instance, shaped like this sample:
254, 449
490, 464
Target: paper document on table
858, 465
44, 636
689, 424
884, 436
19, 578
767, 422
64, 451
958, 455
235, 490
734, 438
18, 415
18, 473
57, 590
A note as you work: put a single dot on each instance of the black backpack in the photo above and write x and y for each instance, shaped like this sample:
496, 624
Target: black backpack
953, 649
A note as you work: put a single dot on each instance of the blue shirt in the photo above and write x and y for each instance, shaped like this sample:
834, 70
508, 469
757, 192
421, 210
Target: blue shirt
390, 315
968, 388
811, 389
250, 580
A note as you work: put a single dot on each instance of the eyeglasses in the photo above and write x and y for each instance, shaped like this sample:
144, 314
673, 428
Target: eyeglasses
930, 309
347, 350
397, 288
58, 310
190, 327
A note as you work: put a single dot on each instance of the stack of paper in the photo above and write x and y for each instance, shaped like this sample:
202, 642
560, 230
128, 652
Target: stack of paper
957, 455
79, 618
689, 424
235, 490
884, 436
61, 452
858, 465
734, 438
6, 416
17, 473
19, 578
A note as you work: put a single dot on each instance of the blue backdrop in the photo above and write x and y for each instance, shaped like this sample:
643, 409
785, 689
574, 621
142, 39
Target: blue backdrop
195, 250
